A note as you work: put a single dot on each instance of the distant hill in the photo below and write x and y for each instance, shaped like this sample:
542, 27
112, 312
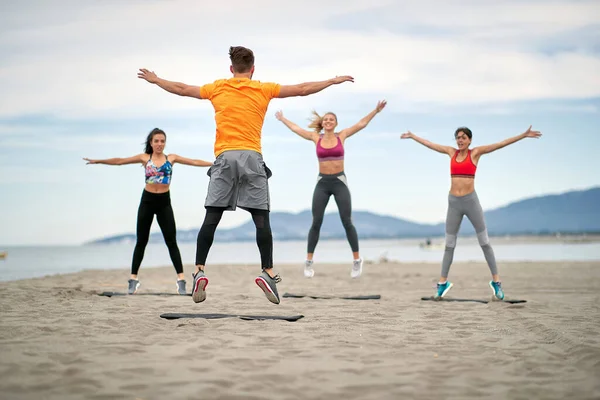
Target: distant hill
571, 212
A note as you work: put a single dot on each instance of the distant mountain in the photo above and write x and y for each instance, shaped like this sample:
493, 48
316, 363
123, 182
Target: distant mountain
571, 212
288, 226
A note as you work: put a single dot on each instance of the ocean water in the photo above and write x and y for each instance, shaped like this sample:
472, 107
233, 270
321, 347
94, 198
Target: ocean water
29, 262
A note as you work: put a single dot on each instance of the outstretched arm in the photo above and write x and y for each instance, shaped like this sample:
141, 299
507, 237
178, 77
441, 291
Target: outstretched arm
308, 88
481, 150
119, 161
308, 135
433, 146
178, 88
188, 161
346, 133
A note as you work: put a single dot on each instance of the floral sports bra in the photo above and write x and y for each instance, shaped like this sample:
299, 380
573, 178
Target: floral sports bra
161, 174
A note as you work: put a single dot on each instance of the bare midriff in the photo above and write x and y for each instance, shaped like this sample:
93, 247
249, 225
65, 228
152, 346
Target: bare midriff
157, 187
462, 186
331, 167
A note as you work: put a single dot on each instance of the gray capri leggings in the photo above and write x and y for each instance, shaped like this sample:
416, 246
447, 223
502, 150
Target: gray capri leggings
457, 208
336, 185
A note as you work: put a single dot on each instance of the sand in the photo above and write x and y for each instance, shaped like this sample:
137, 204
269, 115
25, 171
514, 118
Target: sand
60, 340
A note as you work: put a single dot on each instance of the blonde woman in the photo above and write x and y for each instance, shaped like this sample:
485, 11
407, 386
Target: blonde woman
331, 180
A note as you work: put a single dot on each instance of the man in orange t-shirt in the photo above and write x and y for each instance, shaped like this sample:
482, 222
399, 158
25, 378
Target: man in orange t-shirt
239, 176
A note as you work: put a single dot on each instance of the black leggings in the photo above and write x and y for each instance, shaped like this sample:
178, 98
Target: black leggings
264, 237
159, 204
335, 185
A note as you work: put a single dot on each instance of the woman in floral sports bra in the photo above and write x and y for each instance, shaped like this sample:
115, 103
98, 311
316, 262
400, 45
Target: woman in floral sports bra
331, 180
156, 200
463, 199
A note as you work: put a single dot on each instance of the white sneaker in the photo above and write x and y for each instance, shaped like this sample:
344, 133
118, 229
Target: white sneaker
309, 272
357, 268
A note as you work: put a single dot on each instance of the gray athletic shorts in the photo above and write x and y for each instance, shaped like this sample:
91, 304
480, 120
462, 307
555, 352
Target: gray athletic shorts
238, 178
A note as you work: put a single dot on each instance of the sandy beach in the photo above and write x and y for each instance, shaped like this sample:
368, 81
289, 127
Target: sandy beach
60, 340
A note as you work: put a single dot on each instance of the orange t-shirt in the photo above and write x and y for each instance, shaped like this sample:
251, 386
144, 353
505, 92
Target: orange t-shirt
240, 106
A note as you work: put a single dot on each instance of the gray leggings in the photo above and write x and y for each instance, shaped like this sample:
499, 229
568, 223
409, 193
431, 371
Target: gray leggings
334, 184
457, 208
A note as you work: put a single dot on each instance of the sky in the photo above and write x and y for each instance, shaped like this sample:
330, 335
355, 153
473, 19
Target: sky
69, 90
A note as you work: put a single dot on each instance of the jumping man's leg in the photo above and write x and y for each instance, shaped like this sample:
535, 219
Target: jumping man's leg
204, 241
264, 238
253, 195
206, 235
220, 196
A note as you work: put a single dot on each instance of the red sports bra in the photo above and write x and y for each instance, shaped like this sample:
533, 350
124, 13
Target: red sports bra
463, 169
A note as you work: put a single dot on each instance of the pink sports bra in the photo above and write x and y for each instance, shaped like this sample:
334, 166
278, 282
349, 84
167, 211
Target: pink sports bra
332, 154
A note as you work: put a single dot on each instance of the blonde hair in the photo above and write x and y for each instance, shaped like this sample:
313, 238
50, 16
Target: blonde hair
316, 122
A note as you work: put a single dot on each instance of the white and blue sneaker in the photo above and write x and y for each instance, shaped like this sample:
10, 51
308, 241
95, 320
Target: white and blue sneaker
442, 289
497, 289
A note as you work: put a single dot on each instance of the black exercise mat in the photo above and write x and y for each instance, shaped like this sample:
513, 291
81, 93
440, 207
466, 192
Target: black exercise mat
365, 297
111, 294
291, 318
510, 301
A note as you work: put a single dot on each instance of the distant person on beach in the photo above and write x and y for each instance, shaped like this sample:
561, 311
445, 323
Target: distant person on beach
156, 200
463, 200
239, 176
331, 180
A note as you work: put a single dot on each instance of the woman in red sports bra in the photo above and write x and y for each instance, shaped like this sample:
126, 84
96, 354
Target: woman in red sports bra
331, 180
463, 200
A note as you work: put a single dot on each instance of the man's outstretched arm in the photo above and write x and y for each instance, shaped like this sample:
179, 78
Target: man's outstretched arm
308, 88
177, 88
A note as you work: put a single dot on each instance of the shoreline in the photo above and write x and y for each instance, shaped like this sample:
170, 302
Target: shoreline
533, 238
188, 268
524, 239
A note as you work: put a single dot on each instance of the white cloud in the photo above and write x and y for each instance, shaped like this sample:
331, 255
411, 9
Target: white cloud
81, 60
504, 16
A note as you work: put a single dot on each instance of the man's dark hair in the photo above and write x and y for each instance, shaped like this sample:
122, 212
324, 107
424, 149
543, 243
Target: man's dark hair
242, 59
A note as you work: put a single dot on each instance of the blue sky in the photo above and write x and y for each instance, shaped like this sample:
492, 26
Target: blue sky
69, 90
